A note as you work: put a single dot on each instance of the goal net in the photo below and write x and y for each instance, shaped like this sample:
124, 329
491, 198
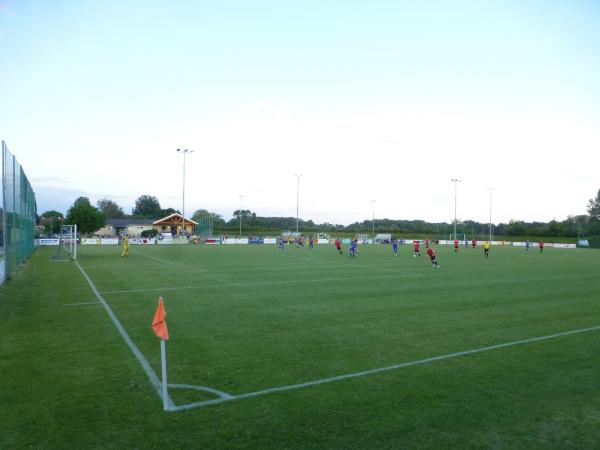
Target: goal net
67, 244
461, 237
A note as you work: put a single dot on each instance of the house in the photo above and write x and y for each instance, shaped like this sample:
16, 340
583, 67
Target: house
173, 224
133, 227
119, 227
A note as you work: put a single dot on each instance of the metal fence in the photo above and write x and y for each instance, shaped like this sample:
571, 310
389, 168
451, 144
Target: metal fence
18, 214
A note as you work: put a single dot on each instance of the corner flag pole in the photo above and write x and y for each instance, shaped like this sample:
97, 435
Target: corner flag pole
159, 325
163, 358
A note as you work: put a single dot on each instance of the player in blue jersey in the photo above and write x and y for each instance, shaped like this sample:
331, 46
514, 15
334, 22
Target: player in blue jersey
353, 248
395, 246
311, 242
281, 242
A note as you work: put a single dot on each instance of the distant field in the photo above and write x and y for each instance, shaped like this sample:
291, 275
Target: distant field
304, 349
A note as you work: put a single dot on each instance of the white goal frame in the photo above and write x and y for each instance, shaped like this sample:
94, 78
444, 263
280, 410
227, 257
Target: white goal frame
67, 241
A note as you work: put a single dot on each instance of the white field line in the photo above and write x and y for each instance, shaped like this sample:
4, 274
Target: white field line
200, 388
224, 397
153, 257
258, 283
140, 357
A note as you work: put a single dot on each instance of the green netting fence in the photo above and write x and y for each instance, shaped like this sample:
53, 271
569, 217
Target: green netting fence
18, 214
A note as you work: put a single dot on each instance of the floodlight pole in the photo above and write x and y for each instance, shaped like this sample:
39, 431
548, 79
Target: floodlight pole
373, 208
241, 209
183, 152
455, 181
491, 189
297, 199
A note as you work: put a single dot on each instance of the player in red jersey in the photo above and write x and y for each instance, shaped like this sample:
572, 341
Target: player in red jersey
338, 246
474, 243
456, 245
427, 243
417, 252
541, 246
431, 254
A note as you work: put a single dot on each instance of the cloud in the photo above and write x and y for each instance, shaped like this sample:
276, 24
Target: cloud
49, 181
6, 9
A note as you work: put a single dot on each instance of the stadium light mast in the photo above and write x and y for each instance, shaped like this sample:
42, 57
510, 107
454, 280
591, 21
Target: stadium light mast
241, 209
455, 181
183, 152
491, 189
373, 208
297, 199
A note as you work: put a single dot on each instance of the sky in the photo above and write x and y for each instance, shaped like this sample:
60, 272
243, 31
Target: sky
379, 105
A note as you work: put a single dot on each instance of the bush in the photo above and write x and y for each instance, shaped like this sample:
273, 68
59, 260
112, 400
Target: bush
594, 241
149, 233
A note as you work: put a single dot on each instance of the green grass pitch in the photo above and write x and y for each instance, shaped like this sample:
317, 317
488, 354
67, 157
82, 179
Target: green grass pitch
279, 331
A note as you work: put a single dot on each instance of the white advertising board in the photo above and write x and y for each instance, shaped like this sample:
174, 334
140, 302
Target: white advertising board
48, 242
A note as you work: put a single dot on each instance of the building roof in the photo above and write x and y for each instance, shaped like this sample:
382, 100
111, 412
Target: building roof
126, 222
172, 217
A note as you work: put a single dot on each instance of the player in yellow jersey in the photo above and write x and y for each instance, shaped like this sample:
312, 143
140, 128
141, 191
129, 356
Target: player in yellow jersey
486, 248
125, 246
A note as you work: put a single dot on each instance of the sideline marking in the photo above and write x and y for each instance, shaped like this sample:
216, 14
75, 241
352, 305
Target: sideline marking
143, 361
221, 394
260, 283
375, 371
153, 257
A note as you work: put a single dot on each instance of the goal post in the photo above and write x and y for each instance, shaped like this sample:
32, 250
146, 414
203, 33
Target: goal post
67, 243
461, 237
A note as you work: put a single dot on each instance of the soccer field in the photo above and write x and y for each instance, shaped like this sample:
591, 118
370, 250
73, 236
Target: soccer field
304, 349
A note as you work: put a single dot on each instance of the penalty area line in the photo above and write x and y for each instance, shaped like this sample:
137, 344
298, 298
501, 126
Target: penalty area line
381, 369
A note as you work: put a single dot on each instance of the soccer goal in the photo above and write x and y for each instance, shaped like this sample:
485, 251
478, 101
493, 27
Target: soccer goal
461, 237
67, 244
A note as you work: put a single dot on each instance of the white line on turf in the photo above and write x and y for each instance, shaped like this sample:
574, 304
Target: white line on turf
221, 394
143, 361
376, 371
153, 257
260, 283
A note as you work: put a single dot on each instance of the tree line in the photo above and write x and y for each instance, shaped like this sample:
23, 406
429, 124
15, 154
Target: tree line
90, 218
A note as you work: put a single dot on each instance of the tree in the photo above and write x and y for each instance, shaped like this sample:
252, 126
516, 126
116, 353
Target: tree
110, 209
87, 218
516, 228
51, 220
147, 206
52, 214
149, 233
168, 212
245, 213
199, 214
594, 208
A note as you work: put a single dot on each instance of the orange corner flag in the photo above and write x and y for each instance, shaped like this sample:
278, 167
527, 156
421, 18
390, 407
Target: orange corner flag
159, 323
